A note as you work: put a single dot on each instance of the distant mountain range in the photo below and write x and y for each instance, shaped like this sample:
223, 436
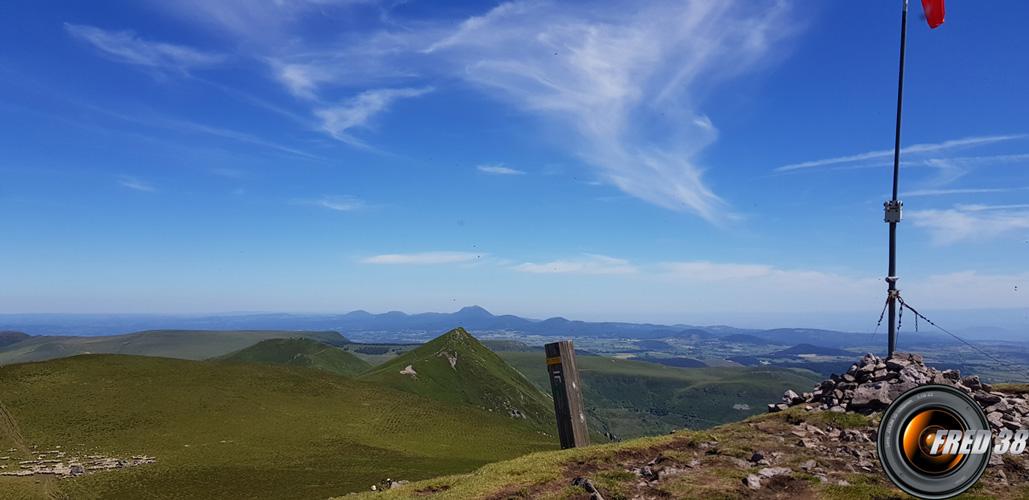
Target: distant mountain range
431, 324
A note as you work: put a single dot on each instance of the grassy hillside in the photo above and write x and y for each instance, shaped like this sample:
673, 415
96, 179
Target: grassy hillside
377, 354
456, 368
300, 352
182, 344
221, 430
759, 458
692, 464
8, 337
634, 398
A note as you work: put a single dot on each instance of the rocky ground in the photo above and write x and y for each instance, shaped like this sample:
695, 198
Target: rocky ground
819, 444
871, 384
58, 463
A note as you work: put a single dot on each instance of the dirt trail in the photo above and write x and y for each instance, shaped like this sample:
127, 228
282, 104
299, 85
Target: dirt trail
9, 431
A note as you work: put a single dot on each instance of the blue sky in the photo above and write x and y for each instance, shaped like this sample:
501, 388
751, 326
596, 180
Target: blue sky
683, 161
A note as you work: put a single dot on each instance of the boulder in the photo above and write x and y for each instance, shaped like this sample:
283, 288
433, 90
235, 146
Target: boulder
874, 396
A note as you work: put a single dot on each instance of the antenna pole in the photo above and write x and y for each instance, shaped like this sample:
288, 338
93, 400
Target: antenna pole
894, 207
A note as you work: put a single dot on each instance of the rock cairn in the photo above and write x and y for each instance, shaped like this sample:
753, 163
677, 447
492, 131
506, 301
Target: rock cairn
873, 383
57, 463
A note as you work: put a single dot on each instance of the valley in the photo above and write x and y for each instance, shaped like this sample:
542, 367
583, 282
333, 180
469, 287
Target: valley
238, 430
264, 413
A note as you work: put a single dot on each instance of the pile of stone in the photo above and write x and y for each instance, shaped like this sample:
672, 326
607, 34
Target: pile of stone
873, 383
55, 463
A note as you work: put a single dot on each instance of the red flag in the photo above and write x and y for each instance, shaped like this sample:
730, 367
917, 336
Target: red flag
934, 12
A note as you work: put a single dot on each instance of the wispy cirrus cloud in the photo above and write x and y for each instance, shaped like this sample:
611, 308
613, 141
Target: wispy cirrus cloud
496, 169
957, 191
424, 258
254, 22
713, 271
965, 142
339, 121
190, 127
343, 203
135, 184
127, 47
618, 85
623, 80
971, 222
587, 264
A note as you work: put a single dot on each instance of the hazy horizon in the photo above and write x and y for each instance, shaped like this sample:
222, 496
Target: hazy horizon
1011, 320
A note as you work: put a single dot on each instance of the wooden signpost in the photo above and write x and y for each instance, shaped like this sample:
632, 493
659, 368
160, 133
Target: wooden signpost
565, 386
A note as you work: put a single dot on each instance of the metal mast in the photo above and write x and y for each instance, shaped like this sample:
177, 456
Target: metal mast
893, 207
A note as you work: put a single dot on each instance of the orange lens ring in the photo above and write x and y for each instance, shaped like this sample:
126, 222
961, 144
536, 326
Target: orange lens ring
914, 434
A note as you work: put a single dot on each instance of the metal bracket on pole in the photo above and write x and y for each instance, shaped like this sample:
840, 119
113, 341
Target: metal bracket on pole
893, 210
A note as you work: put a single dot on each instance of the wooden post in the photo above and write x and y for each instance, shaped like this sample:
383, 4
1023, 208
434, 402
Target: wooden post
565, 386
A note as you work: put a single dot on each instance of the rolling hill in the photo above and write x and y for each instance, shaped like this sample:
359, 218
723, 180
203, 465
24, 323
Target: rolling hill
234, 430
630, 398
296, 351
366, 326
455, 367
8, 337
182, 344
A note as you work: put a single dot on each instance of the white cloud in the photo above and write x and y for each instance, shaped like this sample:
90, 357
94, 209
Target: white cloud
190, 127
135, 184
424, 258
264, 22
946, 192
965, 142
711, 271
340, 203
589, 264
127, 47
971, 222
617, 85
300, 79
625, 81
968, 289
356, 112
498, 170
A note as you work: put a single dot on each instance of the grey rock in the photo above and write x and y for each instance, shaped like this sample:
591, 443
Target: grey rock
1001, 406
985, 398
896, 364
996, 419
768, 472
972, 382
873, 396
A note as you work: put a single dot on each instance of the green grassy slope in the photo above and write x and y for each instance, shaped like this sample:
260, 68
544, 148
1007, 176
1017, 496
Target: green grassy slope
691, 464
635, 398
299, 352
222, 430
456, 367
377, 354
183, 344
